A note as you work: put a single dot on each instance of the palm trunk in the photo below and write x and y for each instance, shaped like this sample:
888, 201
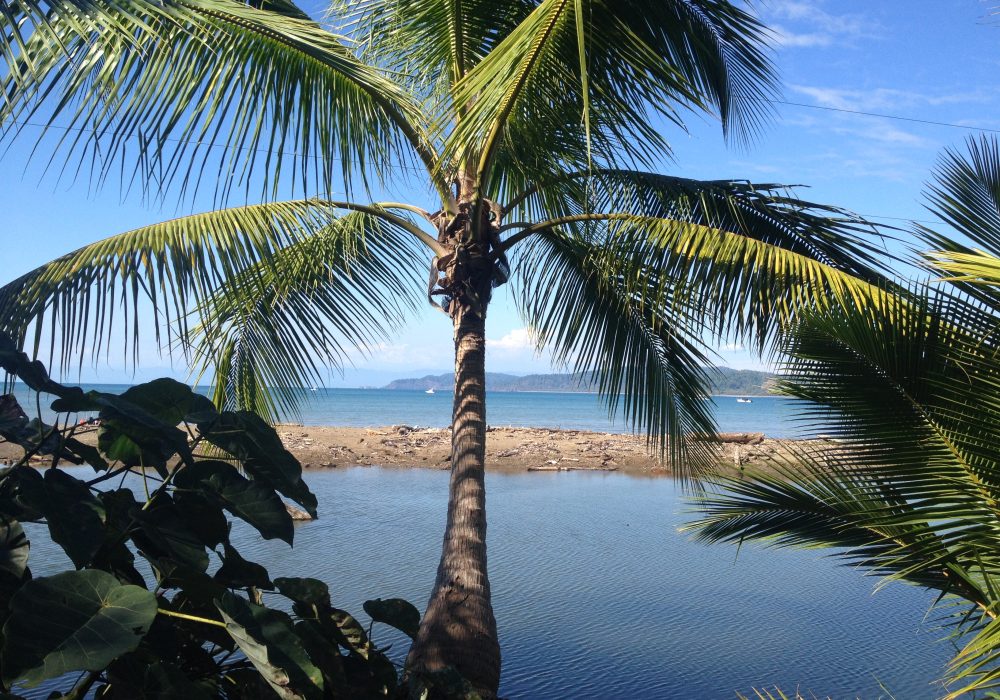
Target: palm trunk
458, 629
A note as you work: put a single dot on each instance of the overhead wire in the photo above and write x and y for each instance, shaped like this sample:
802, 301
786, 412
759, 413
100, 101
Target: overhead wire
825, 108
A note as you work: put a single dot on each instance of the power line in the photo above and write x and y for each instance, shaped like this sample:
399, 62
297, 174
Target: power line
421, 171
886, 116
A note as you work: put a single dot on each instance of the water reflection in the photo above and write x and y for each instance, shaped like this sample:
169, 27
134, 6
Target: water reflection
598, 596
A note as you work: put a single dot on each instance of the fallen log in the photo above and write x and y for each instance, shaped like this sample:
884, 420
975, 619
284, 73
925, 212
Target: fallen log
731, 438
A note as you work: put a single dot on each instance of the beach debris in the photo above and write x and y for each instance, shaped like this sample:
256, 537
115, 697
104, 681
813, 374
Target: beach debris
732, 438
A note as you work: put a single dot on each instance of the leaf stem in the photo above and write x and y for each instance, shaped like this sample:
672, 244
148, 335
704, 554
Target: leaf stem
192, 618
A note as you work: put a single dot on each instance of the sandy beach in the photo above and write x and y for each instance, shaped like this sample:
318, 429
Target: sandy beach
508, 449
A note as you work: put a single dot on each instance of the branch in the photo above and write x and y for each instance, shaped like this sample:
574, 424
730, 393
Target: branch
552, 223
377, 210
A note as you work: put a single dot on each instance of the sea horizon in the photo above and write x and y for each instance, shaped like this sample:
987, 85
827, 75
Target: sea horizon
775, 416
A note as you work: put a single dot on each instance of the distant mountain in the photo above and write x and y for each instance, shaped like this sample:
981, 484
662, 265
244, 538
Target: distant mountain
743, 382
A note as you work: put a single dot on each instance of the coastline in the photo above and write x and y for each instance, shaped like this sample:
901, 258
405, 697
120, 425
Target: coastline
509, 449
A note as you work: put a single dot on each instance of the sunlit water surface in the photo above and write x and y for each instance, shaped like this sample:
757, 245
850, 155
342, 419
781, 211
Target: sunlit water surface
597, 595
771, 415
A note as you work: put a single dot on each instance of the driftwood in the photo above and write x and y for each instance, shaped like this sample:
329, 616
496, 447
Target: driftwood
562, 468
733, 438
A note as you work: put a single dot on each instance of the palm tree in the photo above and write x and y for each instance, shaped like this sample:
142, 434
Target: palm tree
913, 491
537, 127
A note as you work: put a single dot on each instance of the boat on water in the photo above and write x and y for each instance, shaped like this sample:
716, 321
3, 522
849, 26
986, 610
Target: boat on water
429, 391
744, 400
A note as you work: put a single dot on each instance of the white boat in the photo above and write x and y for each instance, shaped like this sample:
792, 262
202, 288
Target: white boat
744, 400
429, 391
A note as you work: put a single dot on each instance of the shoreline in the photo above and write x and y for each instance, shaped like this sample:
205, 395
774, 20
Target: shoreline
509, 449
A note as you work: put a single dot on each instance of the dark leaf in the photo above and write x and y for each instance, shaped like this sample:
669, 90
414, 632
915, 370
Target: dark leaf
395, 612
14, 548
74, 515
253, 501
140, 425
257, 446
237, 572
347, 632
12, 417
205, 518
325, 655
165, 535
270, 643
77, 620
304, 590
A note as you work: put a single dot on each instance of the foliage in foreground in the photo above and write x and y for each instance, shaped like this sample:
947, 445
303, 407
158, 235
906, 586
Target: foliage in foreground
913, 492
174, 626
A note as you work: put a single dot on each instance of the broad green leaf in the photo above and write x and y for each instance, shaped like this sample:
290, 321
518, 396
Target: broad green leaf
268, 639
257, 446
140, 426
204, 517
348, 632
166, 535
395, 612
253, 501
325, 655
74, 621
74, 515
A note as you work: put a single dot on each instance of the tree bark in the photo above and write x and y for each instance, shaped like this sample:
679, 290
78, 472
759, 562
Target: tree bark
459, 629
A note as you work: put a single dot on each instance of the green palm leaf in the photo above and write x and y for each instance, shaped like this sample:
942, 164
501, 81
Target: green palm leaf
207, 88
644, 350
179, 267
654, 289
588, 75
272, 330
913, 492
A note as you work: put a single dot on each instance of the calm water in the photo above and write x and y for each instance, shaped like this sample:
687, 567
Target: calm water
598, 596
370, 407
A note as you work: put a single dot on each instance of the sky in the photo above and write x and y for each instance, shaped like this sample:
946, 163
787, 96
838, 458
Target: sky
918, 60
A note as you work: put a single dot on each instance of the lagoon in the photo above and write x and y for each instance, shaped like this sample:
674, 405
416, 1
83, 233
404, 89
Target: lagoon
597, 595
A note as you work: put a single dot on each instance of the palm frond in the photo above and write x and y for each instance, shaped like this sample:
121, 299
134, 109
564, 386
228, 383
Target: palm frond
555, 92
84, 300
752, 280
770, 213
191, 89
430, 44
912, 493
965, 195
269, 332
643, 351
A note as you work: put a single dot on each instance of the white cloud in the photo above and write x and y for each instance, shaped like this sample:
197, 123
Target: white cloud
806, 25
517, 339
732, 347
883, 99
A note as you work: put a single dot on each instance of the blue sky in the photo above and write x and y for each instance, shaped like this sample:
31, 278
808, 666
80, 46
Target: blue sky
934, 60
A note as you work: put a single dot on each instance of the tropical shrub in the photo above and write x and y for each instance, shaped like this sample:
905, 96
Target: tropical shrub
143, 613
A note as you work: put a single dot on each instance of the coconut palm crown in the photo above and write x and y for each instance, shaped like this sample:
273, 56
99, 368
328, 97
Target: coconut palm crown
537, 127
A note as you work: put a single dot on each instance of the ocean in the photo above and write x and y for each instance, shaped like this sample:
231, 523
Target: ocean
773, 416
